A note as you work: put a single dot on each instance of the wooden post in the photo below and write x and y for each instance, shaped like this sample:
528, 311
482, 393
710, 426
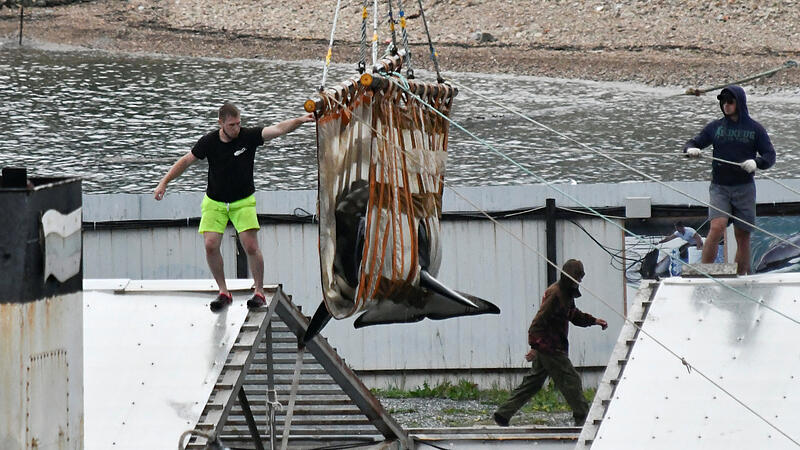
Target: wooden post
550, 239
21, 14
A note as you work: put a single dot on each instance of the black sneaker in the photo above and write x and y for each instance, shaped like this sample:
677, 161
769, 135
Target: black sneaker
500, 420
257, 301
222, 301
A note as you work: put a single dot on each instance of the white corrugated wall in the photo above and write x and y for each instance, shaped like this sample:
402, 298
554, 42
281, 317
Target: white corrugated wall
479, 258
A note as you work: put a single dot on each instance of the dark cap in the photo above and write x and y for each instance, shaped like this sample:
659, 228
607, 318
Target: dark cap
725, 95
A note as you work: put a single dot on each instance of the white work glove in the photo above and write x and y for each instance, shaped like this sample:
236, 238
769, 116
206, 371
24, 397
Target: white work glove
693, 152
749, 166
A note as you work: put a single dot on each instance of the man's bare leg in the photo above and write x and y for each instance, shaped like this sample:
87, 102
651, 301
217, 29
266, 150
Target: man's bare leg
249, 240
715, 233
742, 250
213, 241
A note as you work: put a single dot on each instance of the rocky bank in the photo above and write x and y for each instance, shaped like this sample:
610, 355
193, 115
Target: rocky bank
661, 42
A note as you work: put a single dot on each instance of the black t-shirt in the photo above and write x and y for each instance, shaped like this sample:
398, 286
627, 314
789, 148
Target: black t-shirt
230, 164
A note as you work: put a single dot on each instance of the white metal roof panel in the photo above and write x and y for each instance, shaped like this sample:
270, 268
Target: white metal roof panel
749, 350
151, 359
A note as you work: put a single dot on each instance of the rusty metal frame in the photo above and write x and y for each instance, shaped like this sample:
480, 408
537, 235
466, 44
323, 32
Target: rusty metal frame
271, 394
218, 408
216, 412
251, 423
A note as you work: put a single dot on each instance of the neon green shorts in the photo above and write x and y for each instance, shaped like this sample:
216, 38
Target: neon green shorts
216, 215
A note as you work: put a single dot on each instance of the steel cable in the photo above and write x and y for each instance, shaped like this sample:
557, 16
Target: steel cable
404, 85
374, 32
681, 359
404, 35
330, 47
362, 52
627, 166
430, 44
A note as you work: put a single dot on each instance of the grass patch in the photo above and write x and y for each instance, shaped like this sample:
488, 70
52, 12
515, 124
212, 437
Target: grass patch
402, 410
495, 396
549, 399
391, 392
461, 411
463, 390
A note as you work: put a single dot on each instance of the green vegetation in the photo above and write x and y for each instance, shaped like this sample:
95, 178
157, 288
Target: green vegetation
463, 390
547, 400
454, 411
402, 410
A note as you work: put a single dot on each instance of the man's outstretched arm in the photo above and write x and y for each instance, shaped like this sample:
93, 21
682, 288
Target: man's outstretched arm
287, 126
174, 172
667, 239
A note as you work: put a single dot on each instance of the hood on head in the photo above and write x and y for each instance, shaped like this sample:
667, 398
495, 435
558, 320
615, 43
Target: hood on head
741, 100
573, 268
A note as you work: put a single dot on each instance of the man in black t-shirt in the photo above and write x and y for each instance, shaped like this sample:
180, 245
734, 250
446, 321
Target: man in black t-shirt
231, 152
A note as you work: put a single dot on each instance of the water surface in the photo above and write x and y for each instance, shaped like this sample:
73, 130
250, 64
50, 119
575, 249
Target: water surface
120, 121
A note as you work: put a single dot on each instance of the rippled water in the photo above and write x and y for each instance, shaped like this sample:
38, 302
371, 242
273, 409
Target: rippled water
120, 121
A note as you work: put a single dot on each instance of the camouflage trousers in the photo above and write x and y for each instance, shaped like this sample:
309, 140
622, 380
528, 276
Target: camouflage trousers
566, 379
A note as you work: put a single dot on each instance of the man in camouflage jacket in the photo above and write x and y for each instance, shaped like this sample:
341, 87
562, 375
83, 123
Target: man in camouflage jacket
549, 352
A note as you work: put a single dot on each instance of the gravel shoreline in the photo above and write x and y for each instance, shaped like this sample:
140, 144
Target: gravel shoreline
659, 43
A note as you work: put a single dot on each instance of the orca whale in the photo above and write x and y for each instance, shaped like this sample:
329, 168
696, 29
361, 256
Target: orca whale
427, 298
781, 256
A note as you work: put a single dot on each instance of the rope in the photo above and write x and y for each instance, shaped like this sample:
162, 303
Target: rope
439, 78
597, 152
761, 173
602, 300
577, 211
330, 47
518, 213
362, 53
271, 403
407, 56
639, 328
595, 212
209, 437
287, 422
694, 91
677, 155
